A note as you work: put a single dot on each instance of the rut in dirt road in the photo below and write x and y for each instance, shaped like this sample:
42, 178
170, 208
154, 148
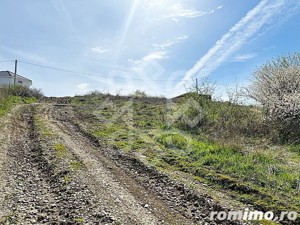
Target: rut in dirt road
44, 186
35, 192
124, 198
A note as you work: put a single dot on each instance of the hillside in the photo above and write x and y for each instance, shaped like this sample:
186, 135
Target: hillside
103, 159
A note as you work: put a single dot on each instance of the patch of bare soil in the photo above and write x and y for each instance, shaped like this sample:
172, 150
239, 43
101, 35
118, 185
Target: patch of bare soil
5, 126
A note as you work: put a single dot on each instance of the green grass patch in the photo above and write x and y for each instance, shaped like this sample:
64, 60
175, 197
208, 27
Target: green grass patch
76, 165
173, 141
42, 127
108, 130
295, 148
6, 104
60, 150
67, 179
79, 220
13, 95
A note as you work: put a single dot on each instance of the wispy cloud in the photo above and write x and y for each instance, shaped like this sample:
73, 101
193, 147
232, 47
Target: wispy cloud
244, 57
179, 11
64, 13
175, 11
155, 56
100, 50
264, 15
169, 43
160, 51
151, 56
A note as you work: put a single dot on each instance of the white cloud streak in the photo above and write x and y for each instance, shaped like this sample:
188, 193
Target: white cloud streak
244, 57
169, 43
100, 50
155, 56
175, 11
264, 15
64, 13
151, 56
160, 51
178, 10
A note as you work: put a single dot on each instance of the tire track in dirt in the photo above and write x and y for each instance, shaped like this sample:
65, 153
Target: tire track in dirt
35, 191
6, 124
26, 188
124, 198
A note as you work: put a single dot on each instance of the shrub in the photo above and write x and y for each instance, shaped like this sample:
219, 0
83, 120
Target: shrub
276, 86
20, 91
139, 94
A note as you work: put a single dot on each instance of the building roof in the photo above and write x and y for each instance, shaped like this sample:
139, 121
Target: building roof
9, 74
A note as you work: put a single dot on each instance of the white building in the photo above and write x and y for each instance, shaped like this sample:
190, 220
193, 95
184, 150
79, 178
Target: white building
7, 78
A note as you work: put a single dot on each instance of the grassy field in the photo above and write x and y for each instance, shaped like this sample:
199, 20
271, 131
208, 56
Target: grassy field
227, 147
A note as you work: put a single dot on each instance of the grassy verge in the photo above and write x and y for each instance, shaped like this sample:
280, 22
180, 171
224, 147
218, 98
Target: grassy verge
6, 104
13, 95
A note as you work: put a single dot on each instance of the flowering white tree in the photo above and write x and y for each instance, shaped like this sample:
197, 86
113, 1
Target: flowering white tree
276, 86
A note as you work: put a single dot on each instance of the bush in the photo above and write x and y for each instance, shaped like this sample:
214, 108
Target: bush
20, 91
276, 86
195, 112
139, 94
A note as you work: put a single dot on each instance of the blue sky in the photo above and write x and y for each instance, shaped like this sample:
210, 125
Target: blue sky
158, 46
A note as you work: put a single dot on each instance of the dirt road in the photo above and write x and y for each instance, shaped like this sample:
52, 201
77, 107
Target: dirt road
52, 172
